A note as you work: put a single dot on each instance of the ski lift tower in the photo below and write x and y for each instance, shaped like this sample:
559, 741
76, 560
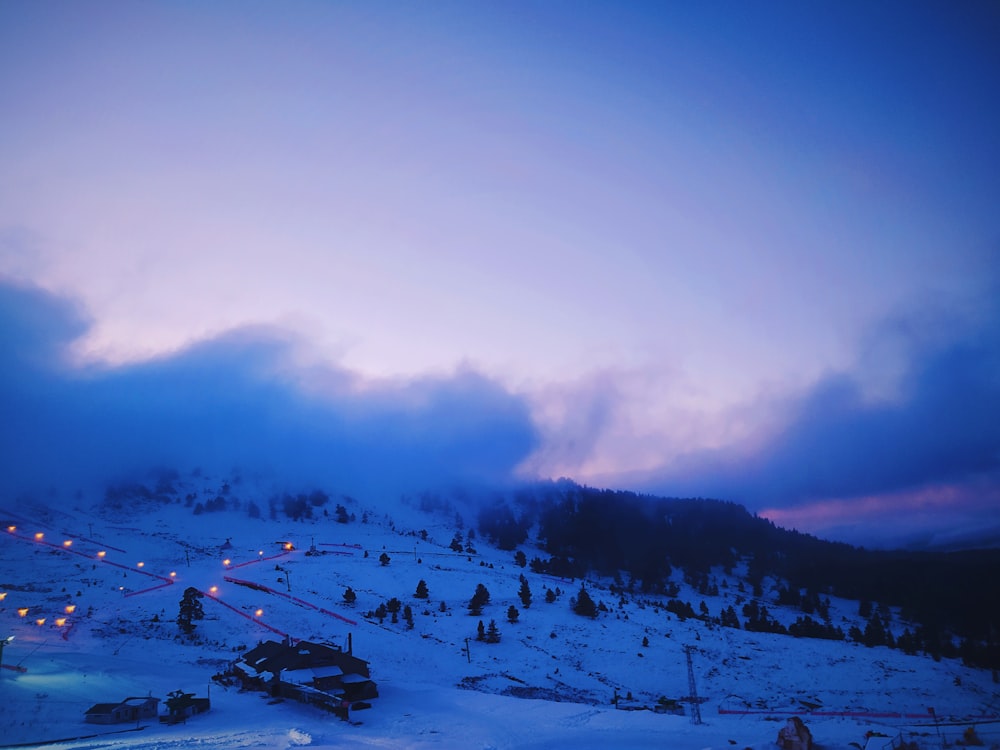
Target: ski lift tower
695, 705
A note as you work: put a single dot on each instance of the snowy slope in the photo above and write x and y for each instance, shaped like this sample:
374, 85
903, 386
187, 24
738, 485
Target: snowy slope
121, 640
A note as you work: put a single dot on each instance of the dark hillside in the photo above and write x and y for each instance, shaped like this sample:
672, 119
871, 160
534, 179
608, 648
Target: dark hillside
609, 532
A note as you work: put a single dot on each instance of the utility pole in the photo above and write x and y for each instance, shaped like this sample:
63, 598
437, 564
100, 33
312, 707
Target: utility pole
288, 578
4, 642
695, 705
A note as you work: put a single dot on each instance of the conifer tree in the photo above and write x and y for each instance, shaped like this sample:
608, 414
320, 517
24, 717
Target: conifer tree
583, 605
493, 633
421, 592
479, 599
393, 606
525, 593
190, 609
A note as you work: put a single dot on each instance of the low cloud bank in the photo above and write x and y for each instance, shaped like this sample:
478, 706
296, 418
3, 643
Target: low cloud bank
236, 401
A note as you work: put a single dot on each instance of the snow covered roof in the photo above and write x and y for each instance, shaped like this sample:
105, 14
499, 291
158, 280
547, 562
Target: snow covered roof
308, 674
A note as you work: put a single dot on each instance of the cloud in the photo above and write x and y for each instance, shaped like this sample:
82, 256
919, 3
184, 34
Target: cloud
938, 425
238, 400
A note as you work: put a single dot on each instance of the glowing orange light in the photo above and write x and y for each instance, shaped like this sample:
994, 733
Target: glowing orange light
226, 561
3, 595
140, 565
288, 545
259, 612
213, 590
60, 621
12, 529
70, 609
39, 535
40, 621
68, 543
173, 573
261, 553
102, 553
22, 612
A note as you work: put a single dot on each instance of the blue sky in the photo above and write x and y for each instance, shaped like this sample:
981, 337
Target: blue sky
687, 248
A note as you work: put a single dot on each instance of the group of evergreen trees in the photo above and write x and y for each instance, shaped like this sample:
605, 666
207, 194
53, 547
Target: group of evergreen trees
584, 530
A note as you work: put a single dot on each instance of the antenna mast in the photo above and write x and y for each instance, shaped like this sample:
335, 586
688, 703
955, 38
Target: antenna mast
695, 705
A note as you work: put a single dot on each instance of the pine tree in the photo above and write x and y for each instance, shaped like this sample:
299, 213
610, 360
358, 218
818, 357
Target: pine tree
393, 606
525, 593
583, 605
349, 596
384, 558
512, 614
421, 592
493, 633
480, 632
190, 610
520, 559
479, 599
408, 616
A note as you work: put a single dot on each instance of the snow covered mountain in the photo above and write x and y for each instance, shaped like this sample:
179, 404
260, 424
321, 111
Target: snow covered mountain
91, 597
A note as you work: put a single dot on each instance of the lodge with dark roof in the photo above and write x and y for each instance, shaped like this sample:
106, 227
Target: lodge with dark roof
314, 673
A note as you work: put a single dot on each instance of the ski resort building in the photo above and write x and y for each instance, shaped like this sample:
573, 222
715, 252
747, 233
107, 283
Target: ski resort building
314, 673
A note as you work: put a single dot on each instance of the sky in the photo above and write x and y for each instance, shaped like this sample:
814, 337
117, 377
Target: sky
711, 249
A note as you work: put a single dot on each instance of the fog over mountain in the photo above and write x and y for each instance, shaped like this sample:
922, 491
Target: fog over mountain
236, 401
916, 464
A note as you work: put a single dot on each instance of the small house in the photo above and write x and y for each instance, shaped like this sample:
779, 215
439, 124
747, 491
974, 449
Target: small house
181, 706
130, 709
